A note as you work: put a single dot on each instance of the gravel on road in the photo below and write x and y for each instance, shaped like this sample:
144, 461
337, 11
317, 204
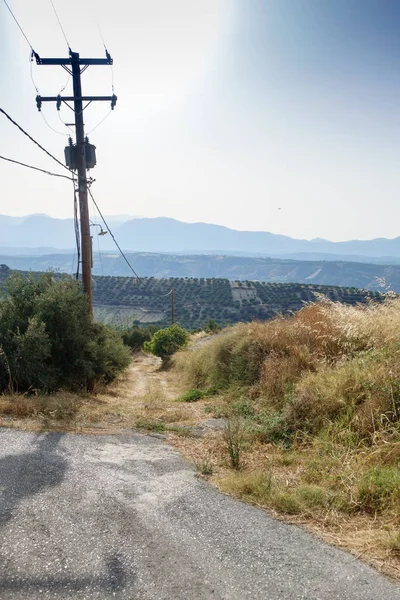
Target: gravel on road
124, 516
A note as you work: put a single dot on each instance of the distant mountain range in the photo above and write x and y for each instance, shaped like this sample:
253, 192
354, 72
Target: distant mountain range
40, 234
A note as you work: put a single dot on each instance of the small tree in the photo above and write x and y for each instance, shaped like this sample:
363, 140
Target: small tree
167, 341
212, 326
49, 341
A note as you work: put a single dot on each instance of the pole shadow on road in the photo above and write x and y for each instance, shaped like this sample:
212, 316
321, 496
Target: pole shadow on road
24, 475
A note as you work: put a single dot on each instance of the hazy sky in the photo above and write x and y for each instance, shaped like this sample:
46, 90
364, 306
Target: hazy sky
228, 110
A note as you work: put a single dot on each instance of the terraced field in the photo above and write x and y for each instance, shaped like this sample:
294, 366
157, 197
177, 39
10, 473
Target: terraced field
119, 301
198, 300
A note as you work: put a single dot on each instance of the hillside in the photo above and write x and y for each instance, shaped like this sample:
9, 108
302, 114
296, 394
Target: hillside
347, 274
121, 300
170, 235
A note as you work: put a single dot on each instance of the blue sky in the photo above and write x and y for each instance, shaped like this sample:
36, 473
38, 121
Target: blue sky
277, 115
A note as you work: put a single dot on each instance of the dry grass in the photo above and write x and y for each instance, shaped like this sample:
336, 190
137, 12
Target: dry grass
320, 393
144, 393
312, 486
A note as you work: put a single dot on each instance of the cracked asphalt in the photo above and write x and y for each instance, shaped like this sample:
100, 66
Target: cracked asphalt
124, 516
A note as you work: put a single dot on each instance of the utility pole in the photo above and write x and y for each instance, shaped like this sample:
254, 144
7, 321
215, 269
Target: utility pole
81, 156
172, 307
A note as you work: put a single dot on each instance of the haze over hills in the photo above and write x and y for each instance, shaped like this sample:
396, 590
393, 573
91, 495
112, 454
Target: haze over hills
340, 273
161, 234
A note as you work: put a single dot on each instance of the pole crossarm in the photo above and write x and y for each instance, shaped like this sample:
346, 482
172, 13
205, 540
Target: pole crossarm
65, 99
73, 98
67, 61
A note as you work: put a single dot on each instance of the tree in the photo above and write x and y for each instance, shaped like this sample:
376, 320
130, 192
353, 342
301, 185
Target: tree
167, 341
212, 326
49, 341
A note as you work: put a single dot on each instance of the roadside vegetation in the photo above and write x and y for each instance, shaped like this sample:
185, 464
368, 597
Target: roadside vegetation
49, 342
311, 405
165, 342
299, 415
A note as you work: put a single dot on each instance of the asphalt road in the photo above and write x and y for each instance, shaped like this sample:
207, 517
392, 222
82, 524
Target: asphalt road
125, 517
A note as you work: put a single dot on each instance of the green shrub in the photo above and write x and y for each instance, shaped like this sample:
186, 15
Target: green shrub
212, 326
167, 341
136, 336
49, 341
195, 395
192, 396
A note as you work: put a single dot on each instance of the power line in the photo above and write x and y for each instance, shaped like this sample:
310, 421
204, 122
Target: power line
114, 240
19, 27
105, 48
37, 92
98, 241
17, 162
100, 122
61, 27
52, 128
171, 291
33, 140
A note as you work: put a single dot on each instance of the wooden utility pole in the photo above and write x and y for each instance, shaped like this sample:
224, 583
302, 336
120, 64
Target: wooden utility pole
172, 307
73, 66
86, 241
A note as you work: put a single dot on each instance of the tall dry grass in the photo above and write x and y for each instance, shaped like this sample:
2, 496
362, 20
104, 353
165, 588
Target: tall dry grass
318, 395
328, 362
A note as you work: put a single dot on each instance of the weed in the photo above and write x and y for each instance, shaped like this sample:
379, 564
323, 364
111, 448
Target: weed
286, 502
312, 496
234, 436
204, 467
179, 430
273, 428
394, 544
379, 489
156, 425
192, 396
243, 407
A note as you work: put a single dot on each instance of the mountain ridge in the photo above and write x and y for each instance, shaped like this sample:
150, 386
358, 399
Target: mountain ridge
163, 234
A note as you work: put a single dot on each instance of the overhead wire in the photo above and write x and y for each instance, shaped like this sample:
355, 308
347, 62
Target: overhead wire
17, 162
119, 247
52, 128
100, 122
73, 178
19, 27
113, 237
64, 123
98, 241
2, 111
60, 24
105, 48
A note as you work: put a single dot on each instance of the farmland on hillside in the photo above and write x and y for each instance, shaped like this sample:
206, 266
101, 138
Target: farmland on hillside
119, 301
199, 299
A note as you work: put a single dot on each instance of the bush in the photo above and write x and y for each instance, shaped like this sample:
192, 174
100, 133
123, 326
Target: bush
136, 336
212, 326
167, 341
49, 341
